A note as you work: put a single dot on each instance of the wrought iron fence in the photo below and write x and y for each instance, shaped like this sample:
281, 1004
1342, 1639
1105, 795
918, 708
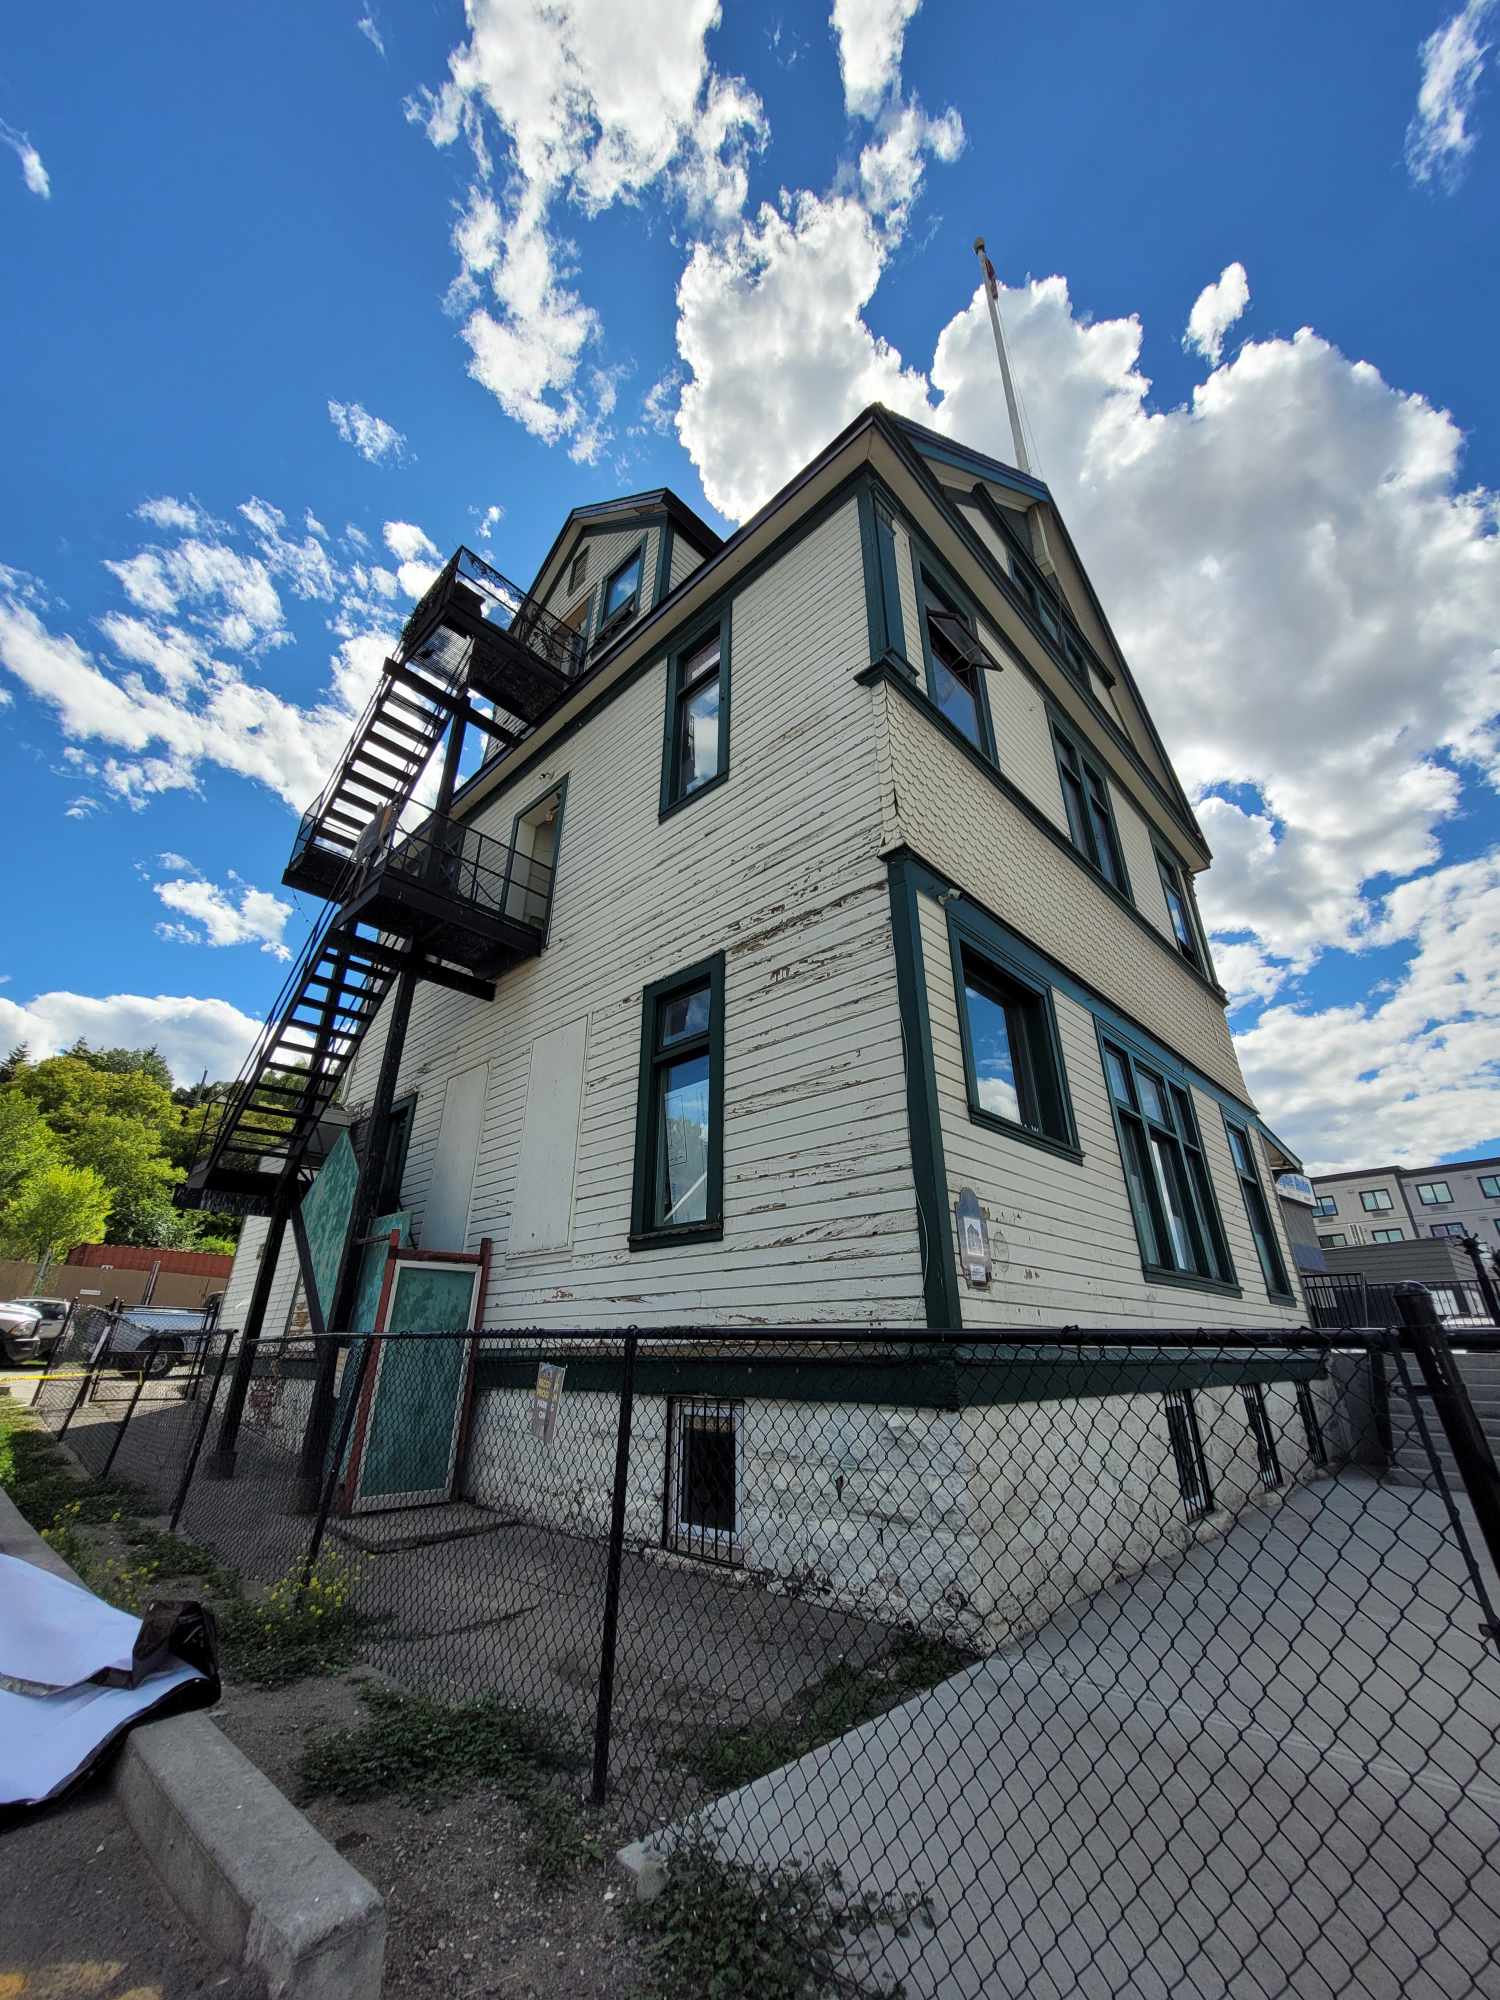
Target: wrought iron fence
1121, 1665
1344, 1298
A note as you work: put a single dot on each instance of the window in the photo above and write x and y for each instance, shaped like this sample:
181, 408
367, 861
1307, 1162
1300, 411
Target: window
1266, 1247
1334, 1242
1091, 824
1258, 1417
621, 596
954, 667
1166, 1175
1447, 1229
1433, 1194
1187, 1452
1386, 1236
696, 751
679, 1134
531, 868
1012, 1058
1174, 886
1489, 1186
578, 569
1327, 1205
1374, 1201
702, 1514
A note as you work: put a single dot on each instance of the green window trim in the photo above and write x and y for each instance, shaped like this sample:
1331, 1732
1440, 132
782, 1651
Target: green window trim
1090, 810
560, 791
646, 1232
1036, 1048
1257, 1210
606, 625
1167, 1181
877, 538
578, 569
938, 594
1182, 909
682, 685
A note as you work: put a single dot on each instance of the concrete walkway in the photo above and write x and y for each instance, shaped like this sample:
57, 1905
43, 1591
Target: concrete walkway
1268, 1767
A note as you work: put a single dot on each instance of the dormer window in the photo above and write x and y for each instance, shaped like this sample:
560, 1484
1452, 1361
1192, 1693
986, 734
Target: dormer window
622, 592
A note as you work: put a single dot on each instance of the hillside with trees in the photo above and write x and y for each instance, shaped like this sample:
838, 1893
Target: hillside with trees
92, 1143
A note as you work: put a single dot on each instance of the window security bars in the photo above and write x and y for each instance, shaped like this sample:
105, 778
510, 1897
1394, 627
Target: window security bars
968, 1597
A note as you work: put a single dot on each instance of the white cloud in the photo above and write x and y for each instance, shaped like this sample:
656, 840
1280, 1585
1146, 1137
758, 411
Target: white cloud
33, 172
1215, 311
407, 542
313, 525
870, 35
1440, 137
84, 806
368, 28
187, 515
179, 863
372, 437
784, 294
257, 917
489, 518
605, 102
193, 1035
891, 167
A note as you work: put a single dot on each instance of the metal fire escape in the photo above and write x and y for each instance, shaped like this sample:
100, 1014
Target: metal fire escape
432, 898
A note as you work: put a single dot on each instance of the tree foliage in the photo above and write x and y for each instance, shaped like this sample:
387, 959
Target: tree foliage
54, 1208
115, 1115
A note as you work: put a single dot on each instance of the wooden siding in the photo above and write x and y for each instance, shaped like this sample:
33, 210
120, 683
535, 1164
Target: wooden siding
1023, 733
605, 551
1064, 1244
1140, 864
968, 830
780, 867
684, 560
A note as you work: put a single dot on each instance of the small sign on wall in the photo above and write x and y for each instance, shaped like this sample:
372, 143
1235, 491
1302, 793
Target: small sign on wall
973, 1237
546, 1400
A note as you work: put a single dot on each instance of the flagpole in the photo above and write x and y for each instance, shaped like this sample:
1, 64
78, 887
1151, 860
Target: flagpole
992, 295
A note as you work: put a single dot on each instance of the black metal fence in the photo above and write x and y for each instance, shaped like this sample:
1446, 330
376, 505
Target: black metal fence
1122, 1665
1343, 1298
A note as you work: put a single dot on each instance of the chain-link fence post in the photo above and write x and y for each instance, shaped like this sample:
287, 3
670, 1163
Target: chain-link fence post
335, 1463
91, 1368
124, 1423
179, 1499
603, 1715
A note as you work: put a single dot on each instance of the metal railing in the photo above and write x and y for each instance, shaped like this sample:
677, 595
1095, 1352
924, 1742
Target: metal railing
1345, 1298
467, 587
450, 859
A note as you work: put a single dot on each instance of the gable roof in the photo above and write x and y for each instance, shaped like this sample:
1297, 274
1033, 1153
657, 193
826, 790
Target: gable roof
607, 513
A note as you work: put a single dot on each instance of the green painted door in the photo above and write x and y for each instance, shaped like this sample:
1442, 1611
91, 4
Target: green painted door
418, 1400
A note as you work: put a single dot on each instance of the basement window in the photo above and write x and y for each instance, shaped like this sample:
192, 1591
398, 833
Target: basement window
703, 1475
1187, 1453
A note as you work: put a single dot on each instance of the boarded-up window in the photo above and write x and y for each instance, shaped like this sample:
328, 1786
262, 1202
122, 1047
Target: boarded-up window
541, 1216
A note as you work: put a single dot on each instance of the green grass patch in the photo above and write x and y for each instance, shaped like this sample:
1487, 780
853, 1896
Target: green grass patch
728, 1931
291, 1632
840, 1700
432, 1750
39, 1476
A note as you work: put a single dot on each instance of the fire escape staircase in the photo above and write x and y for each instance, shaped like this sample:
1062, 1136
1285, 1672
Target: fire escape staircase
437, 898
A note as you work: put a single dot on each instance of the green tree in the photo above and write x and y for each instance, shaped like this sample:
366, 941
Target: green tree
27, 1142
54, 1208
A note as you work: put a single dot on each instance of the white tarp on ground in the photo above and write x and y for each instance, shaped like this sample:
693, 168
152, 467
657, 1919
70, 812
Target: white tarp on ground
54, 1637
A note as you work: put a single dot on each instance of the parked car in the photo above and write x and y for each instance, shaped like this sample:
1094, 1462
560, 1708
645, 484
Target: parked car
154, 1339
20, 1331
54, 1315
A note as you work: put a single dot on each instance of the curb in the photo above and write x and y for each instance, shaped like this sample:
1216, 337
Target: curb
259, 1884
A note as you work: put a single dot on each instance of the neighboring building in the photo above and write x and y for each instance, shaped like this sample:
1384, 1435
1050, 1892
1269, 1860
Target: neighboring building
1404, 1204
817, 885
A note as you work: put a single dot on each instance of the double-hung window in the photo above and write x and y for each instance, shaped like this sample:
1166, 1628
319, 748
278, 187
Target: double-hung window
1257, 1211
1012, 1058
696, 751
1166, 1174
1375, 1201
1180, 910
620, 598
1091, 822
1434, 1194
955, 662
679, 1133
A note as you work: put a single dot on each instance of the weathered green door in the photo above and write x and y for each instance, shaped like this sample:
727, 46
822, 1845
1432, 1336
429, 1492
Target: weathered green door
417, 1405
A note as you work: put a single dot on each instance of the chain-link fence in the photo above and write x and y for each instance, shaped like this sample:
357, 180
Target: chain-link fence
1115, 1665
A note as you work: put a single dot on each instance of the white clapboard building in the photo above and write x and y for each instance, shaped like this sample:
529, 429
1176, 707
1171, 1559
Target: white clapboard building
815, 945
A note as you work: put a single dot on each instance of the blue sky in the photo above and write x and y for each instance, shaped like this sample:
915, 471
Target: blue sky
368, 266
